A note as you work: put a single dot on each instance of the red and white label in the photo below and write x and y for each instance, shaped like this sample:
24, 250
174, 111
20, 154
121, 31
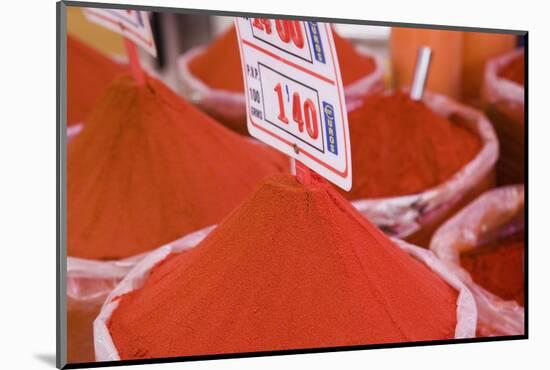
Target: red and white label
132, 24
294, 94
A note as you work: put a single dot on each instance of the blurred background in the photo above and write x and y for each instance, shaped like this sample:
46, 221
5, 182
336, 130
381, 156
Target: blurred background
457, 66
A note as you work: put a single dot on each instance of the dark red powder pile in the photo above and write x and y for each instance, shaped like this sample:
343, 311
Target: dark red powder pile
498, 267
89, 73
292, 267
149, 168
400, 146
220, 65
515, 70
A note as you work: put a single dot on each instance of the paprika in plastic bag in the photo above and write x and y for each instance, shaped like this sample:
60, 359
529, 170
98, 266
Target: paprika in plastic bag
415, 163
483, 245
292, 267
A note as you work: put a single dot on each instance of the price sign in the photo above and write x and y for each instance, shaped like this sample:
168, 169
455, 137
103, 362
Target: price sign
294, 95
132, 24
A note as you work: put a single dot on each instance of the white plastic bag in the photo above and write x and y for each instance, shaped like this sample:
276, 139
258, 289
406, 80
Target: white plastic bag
230, 107
92, 280
462, 233
73, 130
89, 282
402, 216
499, 91
105, 349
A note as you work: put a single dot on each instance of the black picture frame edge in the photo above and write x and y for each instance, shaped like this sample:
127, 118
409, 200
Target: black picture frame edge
526, 183
292, 352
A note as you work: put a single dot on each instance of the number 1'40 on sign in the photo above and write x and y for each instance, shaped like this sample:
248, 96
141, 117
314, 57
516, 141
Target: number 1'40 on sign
304, 115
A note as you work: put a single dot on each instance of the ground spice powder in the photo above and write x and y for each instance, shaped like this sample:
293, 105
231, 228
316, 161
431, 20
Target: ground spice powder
400, 147
498, 267
147, 169
515, 71
292, 267
220, 65
89, 73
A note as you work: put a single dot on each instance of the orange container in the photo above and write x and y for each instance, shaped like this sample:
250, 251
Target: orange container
446, 63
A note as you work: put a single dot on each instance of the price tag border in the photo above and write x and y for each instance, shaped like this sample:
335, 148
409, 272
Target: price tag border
149, 45
343, 174
310, 60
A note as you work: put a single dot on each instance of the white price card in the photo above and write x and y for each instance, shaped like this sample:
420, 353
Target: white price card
294, 94
133, 24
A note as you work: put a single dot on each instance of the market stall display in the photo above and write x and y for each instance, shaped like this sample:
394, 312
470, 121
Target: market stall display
218, 87
190, 233
484, 245
260, 282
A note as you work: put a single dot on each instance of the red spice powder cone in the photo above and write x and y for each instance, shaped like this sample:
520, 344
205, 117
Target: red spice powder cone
149, 168
220, 65
400, 147
89, 73
292, 267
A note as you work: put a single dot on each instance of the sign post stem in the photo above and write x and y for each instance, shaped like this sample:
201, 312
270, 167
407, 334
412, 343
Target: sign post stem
303, 173
421, 73
135, 65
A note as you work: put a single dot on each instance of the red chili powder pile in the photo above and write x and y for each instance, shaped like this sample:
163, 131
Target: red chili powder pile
400, 146
220, 65
88, 76
148, 168
515, 70
498, 267
292, 267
